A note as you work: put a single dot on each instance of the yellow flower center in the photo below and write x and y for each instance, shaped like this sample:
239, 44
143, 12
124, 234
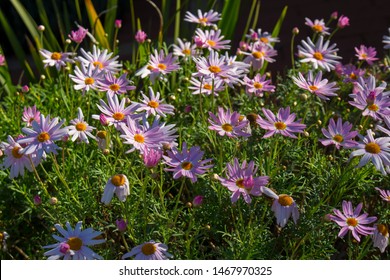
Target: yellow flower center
150, 67
372, 148
241, 117
186, 51
383, 229
258, 85
81, 126
373, 107
186, 165
338, 138
352, 222
118, 116
139, 138
15, 152
318, 56
114, 87
208, 86
227, 127
98, 64
153, 104
118, 180
285, 200
317, 28
74, 243
162, 66
214, 69
56, 56
89, 81
364, 56
240, 183
258, 55
264, 40
203, 20
280, 125
313, 88
211, 43
43, 136
353, 76
148, 249
102, 134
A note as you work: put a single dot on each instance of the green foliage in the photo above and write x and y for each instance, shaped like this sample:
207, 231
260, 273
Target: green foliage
159, 207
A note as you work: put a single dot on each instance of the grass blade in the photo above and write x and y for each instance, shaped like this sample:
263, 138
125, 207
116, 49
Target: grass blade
97, 27
28, 21
16, 46
229, 19
109, 19
275, 33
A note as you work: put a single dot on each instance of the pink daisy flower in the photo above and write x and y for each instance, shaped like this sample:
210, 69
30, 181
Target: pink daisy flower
366, 54
351, 73
316, 85
141, 136
87, 78
57, 59
213, 67
206, 86
114, 85
15, 158
380, 237
79, 129
40, 138
184, 49
351, 220
283, 123
241, 180
258, 85
228, 123
153, 105
149, 251
339, 134
205, 19
377, 106
159, 64
73, 244
186, 163
117, 184
100, 60
321, 55
258, 53
31, 114
385, 194
262, 37
114, 111
375, 150
211, 39
284, 207
318, 26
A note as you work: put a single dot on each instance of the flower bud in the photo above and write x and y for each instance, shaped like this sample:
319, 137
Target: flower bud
118, 23
41, 28
53, 200
121, 225
37, 200
198, 200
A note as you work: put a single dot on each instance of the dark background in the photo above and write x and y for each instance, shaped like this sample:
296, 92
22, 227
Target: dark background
369, 21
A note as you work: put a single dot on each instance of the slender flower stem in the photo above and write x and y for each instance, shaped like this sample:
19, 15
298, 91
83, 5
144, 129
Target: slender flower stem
292, 51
